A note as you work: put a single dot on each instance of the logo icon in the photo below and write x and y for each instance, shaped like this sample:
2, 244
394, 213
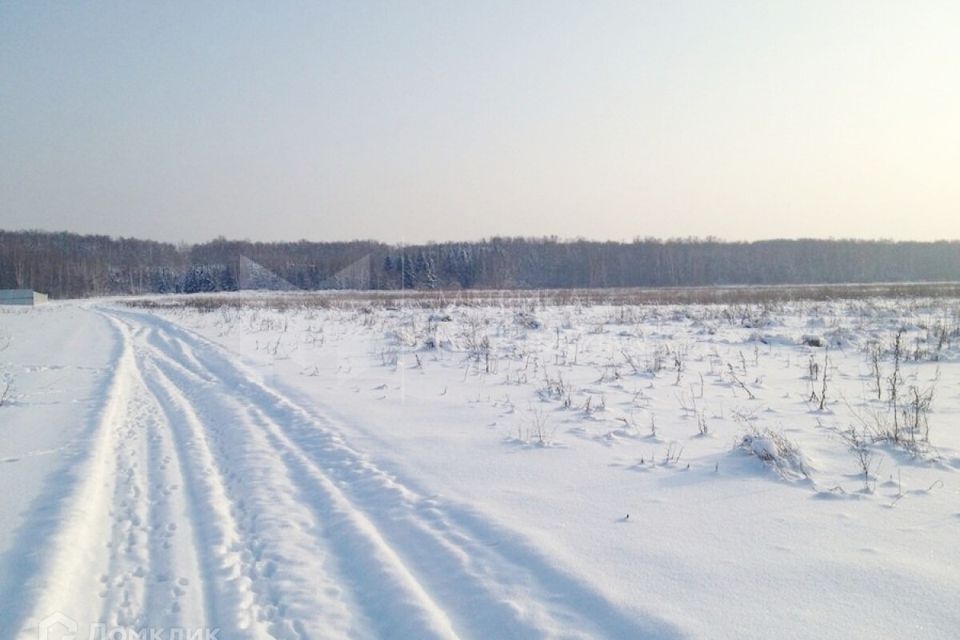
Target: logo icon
48, 627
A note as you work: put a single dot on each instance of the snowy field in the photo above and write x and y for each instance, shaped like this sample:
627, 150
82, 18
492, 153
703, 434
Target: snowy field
254, 467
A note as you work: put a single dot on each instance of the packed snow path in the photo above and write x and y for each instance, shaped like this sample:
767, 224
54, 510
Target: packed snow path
208, 500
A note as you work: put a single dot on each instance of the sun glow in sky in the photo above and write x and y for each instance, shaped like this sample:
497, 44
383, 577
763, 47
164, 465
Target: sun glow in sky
446, 120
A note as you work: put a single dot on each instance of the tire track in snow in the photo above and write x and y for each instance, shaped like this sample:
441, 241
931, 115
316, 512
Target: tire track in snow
292, 561
253, 538
178, 584
152, 579
435, 568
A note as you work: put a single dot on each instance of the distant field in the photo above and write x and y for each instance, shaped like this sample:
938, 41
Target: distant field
559, 297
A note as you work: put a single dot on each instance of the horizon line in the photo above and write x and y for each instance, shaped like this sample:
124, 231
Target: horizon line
550, 238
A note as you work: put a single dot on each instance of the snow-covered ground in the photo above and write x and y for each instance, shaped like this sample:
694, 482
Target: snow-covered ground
501, 471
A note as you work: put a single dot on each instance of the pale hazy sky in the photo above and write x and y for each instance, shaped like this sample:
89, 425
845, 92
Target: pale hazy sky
458, 120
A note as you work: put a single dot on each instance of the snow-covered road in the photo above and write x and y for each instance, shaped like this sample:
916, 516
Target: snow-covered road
206, 499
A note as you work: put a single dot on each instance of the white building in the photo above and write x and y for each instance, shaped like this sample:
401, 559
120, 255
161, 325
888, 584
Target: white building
23, 297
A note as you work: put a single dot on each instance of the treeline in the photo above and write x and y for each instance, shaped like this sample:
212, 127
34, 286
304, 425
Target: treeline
67, 265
